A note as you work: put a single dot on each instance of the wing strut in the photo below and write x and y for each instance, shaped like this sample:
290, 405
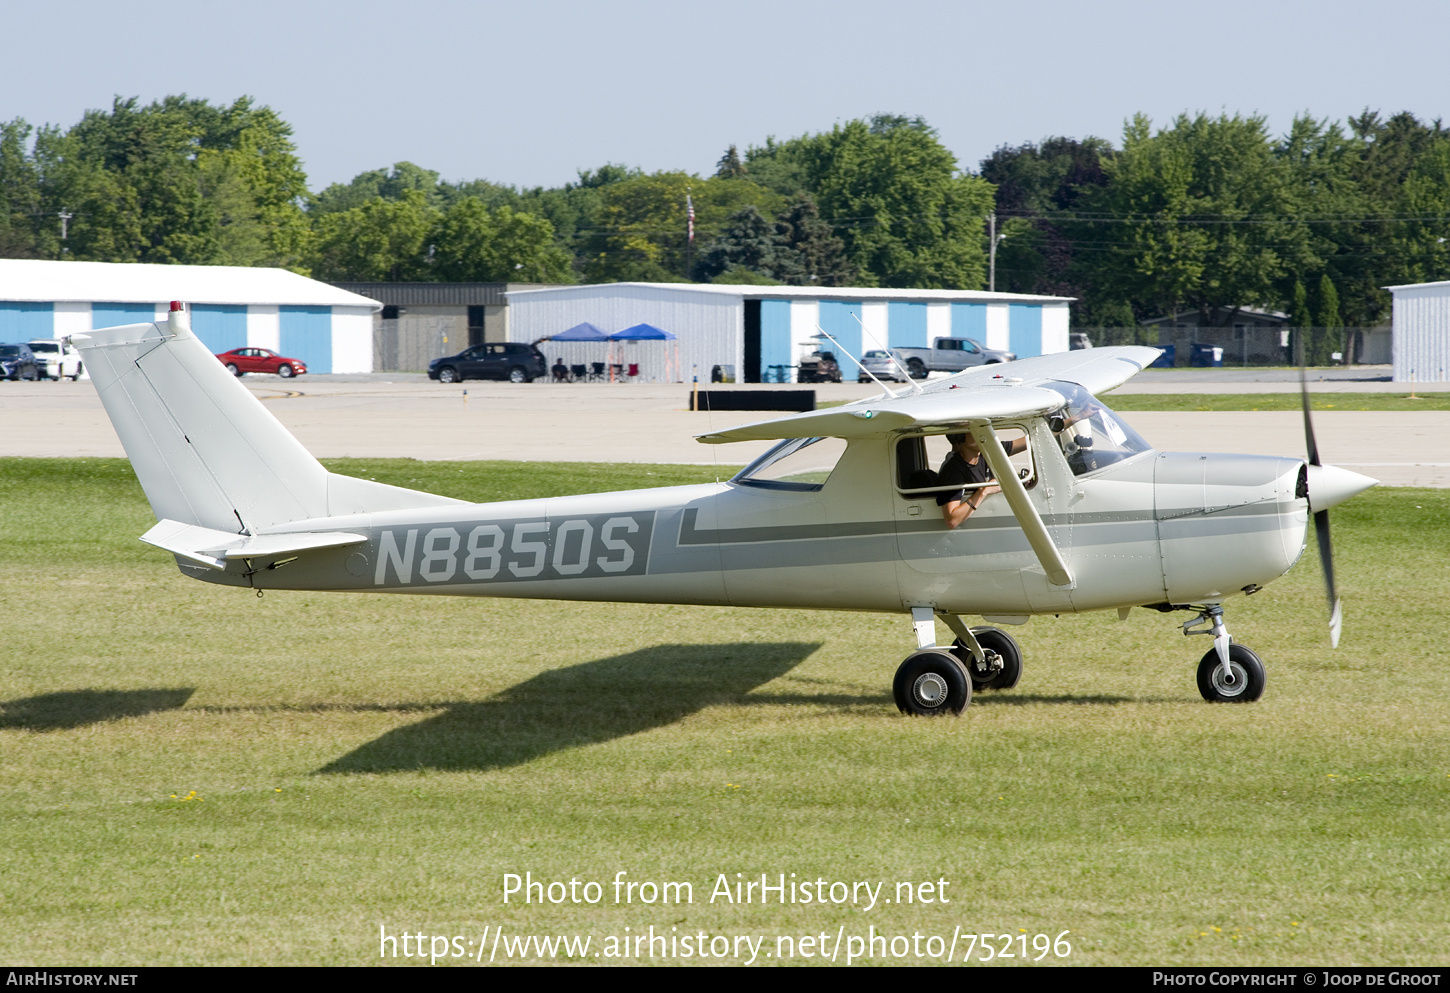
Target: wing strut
1028, 519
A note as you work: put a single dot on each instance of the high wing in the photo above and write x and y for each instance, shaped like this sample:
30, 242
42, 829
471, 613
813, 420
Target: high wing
986, 393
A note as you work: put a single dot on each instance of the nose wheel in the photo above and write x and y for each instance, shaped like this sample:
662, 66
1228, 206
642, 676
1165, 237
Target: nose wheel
1227, 673
1242, 683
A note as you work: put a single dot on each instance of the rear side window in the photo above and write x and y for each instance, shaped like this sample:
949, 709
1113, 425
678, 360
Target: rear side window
798, 464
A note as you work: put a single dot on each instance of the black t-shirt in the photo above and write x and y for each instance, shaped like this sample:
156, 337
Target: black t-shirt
957, 470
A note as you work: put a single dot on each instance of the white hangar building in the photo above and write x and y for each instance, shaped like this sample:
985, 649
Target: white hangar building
328, 328
763, 331
1421, 332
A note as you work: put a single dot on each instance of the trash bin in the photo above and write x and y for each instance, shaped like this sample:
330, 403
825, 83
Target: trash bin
1166, 360
1205, 356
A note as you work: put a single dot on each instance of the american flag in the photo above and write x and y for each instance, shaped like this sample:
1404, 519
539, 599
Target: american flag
690, 216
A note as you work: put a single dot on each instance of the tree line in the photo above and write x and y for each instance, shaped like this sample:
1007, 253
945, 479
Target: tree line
1208, 213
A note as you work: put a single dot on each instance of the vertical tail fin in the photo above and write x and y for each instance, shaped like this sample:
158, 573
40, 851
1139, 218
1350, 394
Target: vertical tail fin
203, 447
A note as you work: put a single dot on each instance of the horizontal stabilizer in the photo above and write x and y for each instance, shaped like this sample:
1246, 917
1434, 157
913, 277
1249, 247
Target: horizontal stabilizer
213, 548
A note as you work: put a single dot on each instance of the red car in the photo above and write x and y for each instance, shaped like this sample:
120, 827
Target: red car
240, 361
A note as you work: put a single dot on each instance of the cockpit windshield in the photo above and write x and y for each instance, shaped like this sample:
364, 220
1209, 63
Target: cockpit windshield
1092, 436
796, 464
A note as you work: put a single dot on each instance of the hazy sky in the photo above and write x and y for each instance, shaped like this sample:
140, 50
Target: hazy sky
528, 94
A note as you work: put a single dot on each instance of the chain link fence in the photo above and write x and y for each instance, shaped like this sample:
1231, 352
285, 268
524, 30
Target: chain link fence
1257, 346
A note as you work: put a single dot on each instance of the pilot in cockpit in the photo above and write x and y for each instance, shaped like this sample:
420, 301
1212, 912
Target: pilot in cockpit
965, 466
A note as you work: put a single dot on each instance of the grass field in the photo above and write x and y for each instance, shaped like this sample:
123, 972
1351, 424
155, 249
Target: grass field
189, 774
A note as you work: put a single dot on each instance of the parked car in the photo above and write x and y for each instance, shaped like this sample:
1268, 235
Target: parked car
19, 362
948, 355
819, 367
518, 363
240, 361
59, 357
881, 366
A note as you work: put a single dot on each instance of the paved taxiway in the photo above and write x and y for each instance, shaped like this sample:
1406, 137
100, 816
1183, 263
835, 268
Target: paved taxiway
407, 416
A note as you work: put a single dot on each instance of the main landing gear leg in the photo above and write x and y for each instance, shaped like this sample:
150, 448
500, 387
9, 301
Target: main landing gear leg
932, 681
1228, 673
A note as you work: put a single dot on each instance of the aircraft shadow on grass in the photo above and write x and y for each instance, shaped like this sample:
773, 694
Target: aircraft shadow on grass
584, 704
77, 708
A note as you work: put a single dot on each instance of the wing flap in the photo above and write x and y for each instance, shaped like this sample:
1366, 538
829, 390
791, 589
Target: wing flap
213, 548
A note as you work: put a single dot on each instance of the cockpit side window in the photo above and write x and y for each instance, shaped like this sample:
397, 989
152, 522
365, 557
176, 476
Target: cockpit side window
796, 464
1091, 436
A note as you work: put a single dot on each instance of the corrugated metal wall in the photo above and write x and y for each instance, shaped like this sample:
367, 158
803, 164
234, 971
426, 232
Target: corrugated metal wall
710, 326
1422, 334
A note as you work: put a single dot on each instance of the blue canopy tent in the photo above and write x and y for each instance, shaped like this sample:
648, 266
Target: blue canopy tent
648, 332
577, 344
642, 332
580, 332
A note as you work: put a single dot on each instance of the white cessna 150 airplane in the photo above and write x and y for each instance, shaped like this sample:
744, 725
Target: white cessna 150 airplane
842, 514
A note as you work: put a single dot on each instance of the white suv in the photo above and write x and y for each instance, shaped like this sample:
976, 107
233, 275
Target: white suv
59, 357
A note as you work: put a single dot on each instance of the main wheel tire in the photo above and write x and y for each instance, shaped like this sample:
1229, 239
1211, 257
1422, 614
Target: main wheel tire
916, 368
930, 683
1246, 676
232, 368
79, 369
285, 371
448, 374
518, 374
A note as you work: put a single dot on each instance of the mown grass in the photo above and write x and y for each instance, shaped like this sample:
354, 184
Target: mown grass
1276, 401
189, 774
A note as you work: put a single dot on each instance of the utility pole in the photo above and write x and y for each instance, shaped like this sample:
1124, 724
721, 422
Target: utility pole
65, 217
992, 252
993, 237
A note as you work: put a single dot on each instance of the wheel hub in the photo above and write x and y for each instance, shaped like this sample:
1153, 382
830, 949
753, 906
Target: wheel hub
929, 689
1232, 684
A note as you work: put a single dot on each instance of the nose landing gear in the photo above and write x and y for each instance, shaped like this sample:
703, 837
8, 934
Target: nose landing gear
1228, 673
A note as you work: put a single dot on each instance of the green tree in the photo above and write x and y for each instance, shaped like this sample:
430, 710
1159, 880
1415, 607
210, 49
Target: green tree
404, 178
379, 240
640, 228
20, 195
820, 252
730, 166
1205, 216
1328, 336
179, 180
748, 242
474, 244
893, 193
1038, 187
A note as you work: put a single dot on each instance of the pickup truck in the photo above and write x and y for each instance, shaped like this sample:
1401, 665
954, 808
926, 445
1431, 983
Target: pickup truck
948, 355
59, 356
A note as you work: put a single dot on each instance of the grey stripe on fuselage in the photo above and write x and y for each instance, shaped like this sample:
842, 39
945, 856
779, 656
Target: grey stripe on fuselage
802, 544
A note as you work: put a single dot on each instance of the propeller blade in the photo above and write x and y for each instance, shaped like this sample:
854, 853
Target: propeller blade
1309, 444
1321, 518
1326, 561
